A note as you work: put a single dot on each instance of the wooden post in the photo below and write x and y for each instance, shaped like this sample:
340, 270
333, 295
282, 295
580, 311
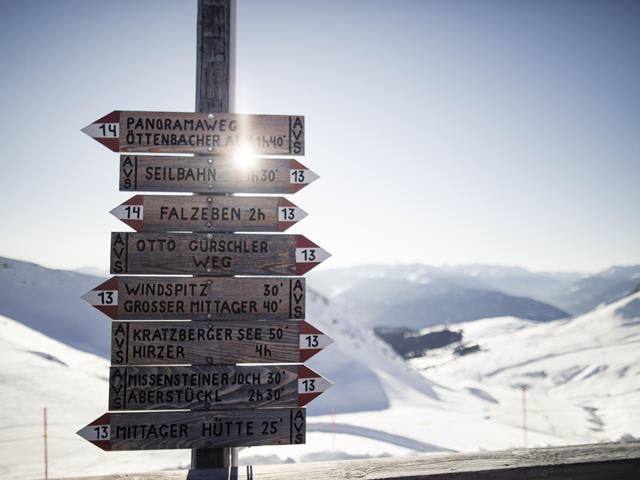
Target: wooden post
46, 453
215, 63
524, 413
215, 85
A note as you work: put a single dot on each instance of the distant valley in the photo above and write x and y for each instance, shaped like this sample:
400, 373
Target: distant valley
419, 296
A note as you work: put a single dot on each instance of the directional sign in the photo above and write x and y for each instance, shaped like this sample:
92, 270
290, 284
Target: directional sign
212, 174
211, 298
192, 429
213, 387
219, 133
210, 343
208, 213
213, 254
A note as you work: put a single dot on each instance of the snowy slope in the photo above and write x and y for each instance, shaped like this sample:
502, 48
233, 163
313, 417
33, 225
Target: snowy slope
38, 372
72, 384
49, 301
582, 375
599, 289
367, 373
584, 379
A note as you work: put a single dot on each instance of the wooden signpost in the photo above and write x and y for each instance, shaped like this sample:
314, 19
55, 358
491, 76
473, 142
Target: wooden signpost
212, 174
179, 343
205, 429
213, 387
213, 254
208, 213
204, 133
212, 343
202, 298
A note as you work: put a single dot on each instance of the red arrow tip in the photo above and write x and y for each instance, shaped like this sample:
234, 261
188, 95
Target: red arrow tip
113, 117
111, 284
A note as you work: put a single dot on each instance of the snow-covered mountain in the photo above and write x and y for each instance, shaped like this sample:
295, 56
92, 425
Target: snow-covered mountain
49, 301
417, 296
364, 369
600, 289
40, 371
411, 293
516, 281
510, 280
582, 375
36, 372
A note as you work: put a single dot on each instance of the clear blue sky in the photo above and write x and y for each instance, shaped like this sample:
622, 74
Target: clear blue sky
444, 131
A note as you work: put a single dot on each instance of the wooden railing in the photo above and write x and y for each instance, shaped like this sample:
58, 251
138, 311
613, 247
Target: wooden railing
606, 461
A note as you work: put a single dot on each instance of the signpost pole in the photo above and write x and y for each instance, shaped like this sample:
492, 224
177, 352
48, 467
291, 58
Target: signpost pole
215, 65
46, 449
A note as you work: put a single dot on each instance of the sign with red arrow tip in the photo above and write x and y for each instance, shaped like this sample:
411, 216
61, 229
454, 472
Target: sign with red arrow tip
215, 133
200, 298
212, 174
213, 254
210, 343
197, 429
213, 387
208, 213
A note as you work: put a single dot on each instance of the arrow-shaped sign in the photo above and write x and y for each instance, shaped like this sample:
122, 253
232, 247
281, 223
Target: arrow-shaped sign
208, 213
213, 387
212, 343
211, 298
197, 429
212, 174
213, 254
215, 133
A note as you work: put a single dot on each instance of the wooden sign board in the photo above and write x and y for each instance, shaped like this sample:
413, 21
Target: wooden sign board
215, 133
192, 429
213, 387
202, 298
211, 343
213, 254
212, 175
208, 213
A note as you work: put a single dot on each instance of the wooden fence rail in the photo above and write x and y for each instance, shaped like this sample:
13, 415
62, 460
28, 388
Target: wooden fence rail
606, 461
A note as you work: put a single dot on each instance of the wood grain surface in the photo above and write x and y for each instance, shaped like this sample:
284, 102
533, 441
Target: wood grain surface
196, 429
604, 461
210, 343
212, 387
208, 213
214, 133
221, 254
212, 174
201, 298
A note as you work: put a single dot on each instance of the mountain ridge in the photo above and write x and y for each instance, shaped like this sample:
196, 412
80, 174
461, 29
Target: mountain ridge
572, 292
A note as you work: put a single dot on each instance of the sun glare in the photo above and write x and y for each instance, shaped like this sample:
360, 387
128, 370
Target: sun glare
244, 156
